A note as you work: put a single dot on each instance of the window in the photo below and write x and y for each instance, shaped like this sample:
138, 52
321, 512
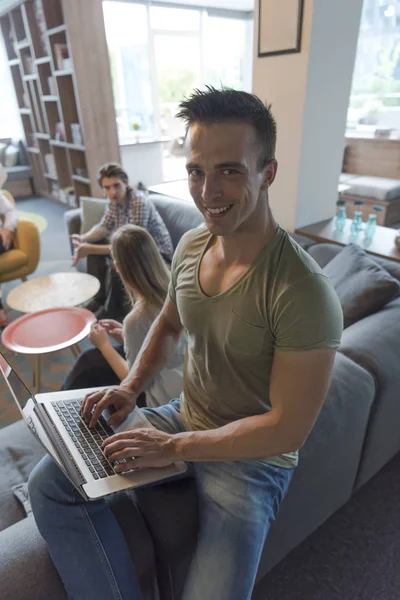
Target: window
10, 121
128, 44
375, 93
159, 54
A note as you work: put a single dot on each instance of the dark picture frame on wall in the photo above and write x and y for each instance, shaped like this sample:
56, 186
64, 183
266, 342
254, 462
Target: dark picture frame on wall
280, 24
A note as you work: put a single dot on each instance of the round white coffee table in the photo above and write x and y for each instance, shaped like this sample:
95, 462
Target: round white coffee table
53, 291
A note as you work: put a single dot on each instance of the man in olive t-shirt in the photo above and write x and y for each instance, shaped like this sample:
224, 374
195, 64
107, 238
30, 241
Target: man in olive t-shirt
283, 301
263, 324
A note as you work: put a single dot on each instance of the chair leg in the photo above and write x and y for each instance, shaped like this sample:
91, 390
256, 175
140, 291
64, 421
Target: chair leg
38, 372
32, 185
76, 350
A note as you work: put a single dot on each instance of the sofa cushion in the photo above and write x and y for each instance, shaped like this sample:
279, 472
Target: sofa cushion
378, 188
93, 210
11, 156
178, 215
323, 253
362, 285
19, 453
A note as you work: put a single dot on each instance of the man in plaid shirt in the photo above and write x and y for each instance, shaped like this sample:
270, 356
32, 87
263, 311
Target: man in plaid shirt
126, 206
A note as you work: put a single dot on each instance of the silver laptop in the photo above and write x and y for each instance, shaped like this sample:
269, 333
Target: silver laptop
54, 419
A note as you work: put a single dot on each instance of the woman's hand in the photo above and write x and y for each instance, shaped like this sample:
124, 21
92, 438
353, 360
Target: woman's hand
114, 329
76, 239
98, 336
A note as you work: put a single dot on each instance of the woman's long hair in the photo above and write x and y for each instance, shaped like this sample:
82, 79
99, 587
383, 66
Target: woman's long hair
141, 267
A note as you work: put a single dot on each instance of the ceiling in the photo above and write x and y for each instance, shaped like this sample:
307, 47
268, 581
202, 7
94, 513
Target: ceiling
246, 5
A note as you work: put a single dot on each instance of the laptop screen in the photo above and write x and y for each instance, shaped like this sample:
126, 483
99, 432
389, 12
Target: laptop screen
19, 390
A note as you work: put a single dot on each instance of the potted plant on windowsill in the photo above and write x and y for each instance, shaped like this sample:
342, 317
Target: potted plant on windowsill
136, 128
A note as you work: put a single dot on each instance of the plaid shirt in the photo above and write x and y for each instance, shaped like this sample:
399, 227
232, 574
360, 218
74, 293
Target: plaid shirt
138, 210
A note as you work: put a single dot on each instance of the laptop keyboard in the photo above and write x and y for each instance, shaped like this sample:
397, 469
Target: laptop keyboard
87, 441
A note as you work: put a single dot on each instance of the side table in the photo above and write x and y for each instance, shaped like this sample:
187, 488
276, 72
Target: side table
382, 244
47, 331
56, 290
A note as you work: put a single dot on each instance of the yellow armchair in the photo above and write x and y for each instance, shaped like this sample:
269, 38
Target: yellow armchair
23, 259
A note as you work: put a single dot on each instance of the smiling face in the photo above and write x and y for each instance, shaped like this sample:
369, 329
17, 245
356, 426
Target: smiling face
225, 181
114, 188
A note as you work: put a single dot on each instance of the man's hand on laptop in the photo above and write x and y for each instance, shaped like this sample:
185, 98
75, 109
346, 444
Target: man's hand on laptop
123, 400
140, 448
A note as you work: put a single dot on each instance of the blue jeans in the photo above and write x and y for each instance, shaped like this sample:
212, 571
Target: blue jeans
237, 503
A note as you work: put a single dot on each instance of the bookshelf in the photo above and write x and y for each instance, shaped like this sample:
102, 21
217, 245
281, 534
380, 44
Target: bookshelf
62, 80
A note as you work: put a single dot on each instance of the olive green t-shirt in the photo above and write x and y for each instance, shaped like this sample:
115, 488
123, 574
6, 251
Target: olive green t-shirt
282, 301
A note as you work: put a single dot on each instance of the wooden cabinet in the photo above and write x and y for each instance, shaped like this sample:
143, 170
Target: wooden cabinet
58, 58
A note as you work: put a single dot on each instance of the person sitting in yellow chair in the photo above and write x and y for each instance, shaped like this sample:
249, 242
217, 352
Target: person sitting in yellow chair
8, 225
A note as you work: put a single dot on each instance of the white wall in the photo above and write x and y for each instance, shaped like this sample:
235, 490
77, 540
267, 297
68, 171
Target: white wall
331, 63
281, 81
309, 93
143, 162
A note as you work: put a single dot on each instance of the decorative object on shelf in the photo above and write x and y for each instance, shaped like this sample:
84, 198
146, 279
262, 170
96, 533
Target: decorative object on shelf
279, 27
55, 190
40, 20
340, 220
50, 165
27, 62
34, 141
51, 84
61, 55
67, 195
76, 133
357, 222
82, 173
60, 132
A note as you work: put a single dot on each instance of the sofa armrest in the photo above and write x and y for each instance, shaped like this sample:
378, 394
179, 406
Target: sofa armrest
374, 343
27, 239
22, 550
73, 221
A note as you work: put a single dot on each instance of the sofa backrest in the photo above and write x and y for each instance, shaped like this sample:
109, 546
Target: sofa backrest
323, 253
178, 215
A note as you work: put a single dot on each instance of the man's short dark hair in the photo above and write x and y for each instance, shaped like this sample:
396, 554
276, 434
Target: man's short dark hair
224, 105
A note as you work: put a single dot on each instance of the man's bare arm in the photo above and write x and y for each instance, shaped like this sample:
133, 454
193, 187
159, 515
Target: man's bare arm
158, 345
299, 384
95, 234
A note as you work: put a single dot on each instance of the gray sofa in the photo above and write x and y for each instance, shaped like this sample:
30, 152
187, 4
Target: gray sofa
356, 433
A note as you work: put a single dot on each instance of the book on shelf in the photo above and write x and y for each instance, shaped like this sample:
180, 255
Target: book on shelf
60, 132
76, 134
51, 84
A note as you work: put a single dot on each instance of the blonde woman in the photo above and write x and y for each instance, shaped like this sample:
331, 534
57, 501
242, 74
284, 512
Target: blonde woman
145, 277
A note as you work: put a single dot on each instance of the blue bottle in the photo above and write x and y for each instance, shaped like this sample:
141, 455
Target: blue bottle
357, 222
370, 227
341, 218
